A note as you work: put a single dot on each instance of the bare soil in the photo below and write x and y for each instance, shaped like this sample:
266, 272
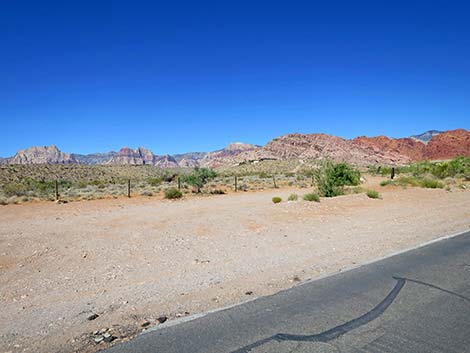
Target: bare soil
135, 260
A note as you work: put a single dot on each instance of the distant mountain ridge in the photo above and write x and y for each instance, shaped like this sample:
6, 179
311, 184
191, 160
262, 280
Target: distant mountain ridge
362, 150
426, 136
94, 158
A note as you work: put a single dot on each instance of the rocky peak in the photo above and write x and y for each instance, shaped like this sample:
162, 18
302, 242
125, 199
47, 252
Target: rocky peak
139, 156
42, 155
165, 161
448, 144
239, 146
426, 136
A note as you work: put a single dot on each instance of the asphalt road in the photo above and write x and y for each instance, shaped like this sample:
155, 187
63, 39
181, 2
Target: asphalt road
418, 301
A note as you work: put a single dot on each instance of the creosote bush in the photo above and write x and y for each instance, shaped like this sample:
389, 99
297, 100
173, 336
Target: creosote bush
457, 167
386, 182
415, 181
217, 192
199, 177
312, 197
432, 183
293, 197
331, 177
276, 199
173, 193
373, 194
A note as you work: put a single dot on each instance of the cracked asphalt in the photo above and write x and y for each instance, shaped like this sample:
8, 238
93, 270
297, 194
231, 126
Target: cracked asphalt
416, 301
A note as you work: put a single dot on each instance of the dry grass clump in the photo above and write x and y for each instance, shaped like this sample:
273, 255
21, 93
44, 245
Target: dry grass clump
311, 197
293, 197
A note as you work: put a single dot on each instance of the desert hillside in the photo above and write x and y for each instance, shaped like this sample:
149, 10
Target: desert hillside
363, 150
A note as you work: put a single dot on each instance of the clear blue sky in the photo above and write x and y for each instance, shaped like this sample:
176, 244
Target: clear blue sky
180, 76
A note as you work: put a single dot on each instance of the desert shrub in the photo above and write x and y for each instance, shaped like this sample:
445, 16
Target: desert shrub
373, 194
431, 183
242, 187
3, 202
264, 175
217, 192
425, 182
293, 197
331, 177
276, 199
14, 189
155, 181
146, 193
311, 197
173, 193
408, 180
199, 177
356, 190
455, 167
386, 182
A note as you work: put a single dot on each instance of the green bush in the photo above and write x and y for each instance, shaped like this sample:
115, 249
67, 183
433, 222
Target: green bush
458, 166
386, 182
331, 177
173, 193
431, 183
373, 194
418, 181
293, 197
199, 177
312, 197
277, 199
156, 181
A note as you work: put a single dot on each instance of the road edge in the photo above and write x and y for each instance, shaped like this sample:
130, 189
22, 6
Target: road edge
192, 317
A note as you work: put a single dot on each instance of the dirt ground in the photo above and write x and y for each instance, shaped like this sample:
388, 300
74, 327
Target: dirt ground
131, 261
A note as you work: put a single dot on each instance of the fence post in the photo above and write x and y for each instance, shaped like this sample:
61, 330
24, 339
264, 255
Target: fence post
274, 181
179, 183
392, 175
56, 190
236, 184
128, 187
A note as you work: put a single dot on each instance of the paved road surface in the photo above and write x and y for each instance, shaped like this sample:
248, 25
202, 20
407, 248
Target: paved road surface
418, 301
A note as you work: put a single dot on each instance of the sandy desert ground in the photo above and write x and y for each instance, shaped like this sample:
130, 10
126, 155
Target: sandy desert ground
132, 261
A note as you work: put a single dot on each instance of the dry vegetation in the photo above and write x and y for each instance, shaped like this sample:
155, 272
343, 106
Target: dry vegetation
23, 183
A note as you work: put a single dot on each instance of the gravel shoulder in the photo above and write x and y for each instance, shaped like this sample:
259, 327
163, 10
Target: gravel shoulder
132, 261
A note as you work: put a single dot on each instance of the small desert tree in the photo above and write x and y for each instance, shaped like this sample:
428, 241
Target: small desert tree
199, 177
331, 177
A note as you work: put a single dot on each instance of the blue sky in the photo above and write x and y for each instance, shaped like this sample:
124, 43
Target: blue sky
179, 76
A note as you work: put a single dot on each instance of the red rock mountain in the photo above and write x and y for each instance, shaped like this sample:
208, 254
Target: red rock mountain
448, 145
409, 147
445, 145
321, 147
